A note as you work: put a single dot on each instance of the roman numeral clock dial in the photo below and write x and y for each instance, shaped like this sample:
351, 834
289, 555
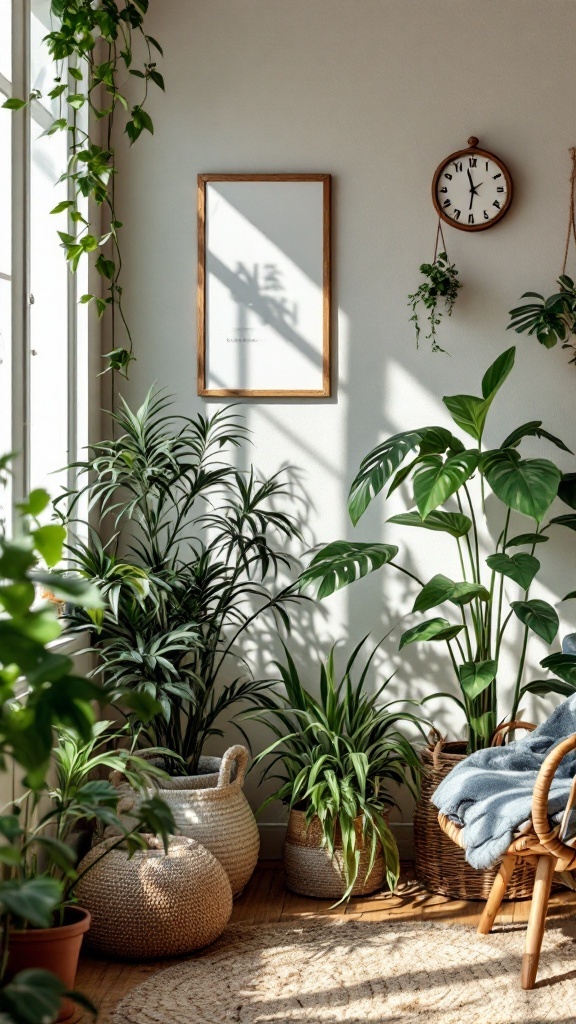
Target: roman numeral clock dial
472, 189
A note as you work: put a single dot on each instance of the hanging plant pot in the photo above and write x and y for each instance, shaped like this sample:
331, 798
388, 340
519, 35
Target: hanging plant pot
212, 809
311, 871
441, 865
52, 949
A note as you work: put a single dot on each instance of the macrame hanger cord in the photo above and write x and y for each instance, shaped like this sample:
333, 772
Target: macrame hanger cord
440, 235
571, 233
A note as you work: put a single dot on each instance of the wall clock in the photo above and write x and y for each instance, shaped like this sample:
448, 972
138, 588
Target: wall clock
472, 189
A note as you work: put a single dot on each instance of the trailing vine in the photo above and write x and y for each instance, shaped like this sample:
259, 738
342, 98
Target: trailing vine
97, 39
439, 290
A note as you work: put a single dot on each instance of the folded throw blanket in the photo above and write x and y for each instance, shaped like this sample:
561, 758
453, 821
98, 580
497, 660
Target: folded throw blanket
490, 793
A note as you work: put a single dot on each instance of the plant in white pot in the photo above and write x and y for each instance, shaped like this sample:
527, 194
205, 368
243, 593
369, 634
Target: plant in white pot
339, 752
194, 549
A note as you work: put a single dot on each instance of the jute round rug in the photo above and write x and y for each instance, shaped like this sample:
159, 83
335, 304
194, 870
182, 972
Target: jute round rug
361, 973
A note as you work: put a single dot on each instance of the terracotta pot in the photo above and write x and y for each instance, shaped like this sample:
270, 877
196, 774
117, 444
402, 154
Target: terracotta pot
52, 949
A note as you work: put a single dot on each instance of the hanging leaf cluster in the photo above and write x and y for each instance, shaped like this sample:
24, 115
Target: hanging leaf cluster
437, 294
552, 319
93, 47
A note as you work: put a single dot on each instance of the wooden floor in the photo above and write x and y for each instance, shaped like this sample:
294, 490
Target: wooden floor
266, 900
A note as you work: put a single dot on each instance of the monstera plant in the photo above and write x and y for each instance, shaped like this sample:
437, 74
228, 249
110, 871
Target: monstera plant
482, 594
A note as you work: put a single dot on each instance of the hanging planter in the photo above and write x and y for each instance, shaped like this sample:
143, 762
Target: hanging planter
437, 294
553, 319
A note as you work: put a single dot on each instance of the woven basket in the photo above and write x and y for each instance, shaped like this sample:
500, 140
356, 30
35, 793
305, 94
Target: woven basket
212, 809
440, 864
311, 871
154, 904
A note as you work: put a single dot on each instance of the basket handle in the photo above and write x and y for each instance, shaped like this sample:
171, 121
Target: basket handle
236, 754
506, 727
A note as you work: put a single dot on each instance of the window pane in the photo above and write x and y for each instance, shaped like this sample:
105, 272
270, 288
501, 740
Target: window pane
5, 389
42, 70
49, 316
6, 39
5, 188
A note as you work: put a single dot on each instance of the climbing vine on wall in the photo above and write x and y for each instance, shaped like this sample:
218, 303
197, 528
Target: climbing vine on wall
97, 48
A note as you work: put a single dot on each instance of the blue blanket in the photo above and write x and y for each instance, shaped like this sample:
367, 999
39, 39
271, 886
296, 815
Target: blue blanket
490, 793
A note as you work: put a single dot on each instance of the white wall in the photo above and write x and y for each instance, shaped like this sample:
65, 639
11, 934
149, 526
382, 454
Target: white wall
376, 92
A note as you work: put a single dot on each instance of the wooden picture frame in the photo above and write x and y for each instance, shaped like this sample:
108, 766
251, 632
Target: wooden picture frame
264, 285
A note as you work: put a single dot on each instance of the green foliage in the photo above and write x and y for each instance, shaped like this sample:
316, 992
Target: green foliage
551, 319
41, 695
442, 471
440, 289
201, 539
93, 47
338, 753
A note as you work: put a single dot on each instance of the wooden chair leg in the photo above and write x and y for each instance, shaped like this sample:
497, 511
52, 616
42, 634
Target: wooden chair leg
537, 920
497, 893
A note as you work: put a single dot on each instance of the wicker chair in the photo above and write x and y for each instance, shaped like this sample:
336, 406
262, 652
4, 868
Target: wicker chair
541, 842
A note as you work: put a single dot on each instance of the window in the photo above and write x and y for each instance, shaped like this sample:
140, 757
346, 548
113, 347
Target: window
43, 331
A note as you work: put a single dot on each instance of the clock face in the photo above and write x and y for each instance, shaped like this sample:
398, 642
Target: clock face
472, 190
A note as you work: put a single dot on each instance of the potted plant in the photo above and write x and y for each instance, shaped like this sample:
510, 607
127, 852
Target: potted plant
41, 694
483, 593
339, 753
194, 552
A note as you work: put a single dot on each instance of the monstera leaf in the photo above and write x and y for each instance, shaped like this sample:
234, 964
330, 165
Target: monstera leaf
435, 480
342, 562
470, 412
525, 485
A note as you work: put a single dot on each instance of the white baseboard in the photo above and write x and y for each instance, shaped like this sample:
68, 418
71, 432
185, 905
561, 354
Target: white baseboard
272, 834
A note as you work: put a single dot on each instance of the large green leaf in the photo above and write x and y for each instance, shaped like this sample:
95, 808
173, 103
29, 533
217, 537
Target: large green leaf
470, 412
49, 541
376, 469
497, 373
542, 687
433, 629
567, 489
521, 568
476, 676
527, 538
440, 588
33, 995
539, 616
569, 521
528, 486
32, 900
454, 523
435, 480
532, 429
342, 562
564, 665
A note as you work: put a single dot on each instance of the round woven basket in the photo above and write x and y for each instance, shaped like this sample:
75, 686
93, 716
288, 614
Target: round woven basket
212, 809
154, 904
440, 864
311, 871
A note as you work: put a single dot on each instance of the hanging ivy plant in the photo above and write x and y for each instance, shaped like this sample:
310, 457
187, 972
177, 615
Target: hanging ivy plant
98, 40
437, 294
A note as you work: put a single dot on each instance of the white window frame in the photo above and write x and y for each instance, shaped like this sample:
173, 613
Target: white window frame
23, 123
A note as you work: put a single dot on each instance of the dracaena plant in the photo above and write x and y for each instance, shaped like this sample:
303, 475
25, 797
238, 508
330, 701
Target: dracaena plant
483, 595
339, 752
196, 549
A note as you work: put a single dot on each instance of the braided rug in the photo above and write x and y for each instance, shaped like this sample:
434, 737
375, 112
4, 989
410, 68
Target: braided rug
361, 973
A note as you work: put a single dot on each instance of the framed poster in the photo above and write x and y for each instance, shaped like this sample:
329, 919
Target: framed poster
264, 285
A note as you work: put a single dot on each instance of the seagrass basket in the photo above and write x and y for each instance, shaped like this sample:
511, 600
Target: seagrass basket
441, 865
311, 871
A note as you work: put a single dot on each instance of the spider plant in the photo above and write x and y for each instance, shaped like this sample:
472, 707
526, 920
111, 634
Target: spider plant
339, 752
195, 548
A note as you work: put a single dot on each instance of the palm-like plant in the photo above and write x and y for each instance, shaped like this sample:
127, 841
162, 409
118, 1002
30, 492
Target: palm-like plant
339, 753
201, 543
